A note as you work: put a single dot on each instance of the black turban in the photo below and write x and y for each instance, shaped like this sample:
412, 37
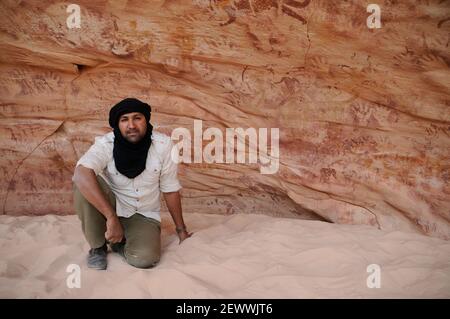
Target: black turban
128, 105
130, 158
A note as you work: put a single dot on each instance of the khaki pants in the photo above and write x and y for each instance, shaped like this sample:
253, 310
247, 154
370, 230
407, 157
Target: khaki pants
142, 234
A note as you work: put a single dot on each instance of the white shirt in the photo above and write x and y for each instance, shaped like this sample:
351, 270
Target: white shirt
140, 194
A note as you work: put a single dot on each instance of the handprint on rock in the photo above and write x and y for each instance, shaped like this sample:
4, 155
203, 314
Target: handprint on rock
233, 7
287, 5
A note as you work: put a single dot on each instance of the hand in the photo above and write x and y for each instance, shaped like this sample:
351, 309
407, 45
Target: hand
114, 230
184, 235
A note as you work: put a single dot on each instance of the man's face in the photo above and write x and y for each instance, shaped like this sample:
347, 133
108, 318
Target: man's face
133, 126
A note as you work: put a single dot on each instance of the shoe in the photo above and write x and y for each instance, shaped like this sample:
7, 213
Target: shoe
97, 258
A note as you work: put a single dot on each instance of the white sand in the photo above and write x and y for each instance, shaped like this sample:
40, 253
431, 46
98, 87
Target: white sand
240, 256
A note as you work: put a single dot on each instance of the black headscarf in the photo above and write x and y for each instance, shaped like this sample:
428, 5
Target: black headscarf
130, 158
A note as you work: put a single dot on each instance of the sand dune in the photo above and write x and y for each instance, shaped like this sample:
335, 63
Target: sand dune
238, 256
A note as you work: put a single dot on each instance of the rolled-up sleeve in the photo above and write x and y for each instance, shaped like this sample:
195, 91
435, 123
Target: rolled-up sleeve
97, 156
169, 173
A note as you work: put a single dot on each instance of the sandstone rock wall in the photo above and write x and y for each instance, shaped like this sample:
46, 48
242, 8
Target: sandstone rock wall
364, 114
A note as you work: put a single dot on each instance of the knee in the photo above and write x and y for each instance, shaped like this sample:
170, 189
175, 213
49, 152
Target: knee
79, 198
142, 260
80, 203
76, 192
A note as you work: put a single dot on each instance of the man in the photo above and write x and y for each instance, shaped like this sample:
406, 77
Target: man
117, 185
